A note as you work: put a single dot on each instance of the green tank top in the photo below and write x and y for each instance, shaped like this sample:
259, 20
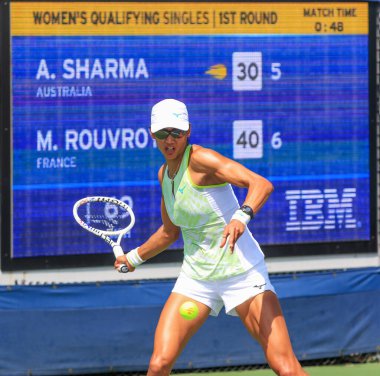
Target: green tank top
202, 212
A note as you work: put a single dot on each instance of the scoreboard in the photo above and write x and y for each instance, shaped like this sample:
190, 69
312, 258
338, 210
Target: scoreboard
283, 88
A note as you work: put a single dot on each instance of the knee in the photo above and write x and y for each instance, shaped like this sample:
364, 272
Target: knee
288, 367
284, 371
160, 365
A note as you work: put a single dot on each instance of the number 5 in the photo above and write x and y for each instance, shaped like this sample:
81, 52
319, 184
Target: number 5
276, 71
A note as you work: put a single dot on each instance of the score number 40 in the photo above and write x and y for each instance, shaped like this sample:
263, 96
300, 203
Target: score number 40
248, 139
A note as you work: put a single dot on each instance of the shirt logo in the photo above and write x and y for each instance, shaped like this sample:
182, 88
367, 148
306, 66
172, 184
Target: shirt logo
181, 189
260, 286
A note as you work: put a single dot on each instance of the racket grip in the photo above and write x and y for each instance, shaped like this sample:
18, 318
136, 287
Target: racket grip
117, 250
123, 268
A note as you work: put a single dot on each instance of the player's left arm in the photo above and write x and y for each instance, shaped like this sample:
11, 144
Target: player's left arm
220, 169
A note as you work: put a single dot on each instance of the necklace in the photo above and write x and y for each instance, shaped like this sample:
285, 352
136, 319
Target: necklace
173, 175
175, 172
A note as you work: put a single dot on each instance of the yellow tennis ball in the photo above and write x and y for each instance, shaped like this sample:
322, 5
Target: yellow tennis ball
189, 310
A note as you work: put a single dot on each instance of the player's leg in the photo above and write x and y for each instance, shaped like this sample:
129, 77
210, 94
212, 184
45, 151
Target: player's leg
262, 316
172, 334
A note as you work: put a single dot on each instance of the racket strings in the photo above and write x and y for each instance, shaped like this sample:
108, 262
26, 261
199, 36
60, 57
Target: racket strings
104, 216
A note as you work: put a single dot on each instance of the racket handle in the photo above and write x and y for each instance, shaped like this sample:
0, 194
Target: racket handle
123, 268
117, 250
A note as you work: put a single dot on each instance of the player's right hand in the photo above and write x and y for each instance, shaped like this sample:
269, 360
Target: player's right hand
122, 260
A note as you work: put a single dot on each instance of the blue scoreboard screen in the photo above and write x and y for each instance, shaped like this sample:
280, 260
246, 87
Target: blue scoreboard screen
283, 88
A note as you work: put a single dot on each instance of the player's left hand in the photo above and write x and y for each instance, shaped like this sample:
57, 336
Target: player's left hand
232, 233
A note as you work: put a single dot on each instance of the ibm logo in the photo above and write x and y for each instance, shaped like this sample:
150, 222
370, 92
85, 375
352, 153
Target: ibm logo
315, 209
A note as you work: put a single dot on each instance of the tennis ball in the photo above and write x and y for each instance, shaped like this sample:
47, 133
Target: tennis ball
189, 310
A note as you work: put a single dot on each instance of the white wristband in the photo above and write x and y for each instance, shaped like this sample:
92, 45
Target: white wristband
241, 217
134, 258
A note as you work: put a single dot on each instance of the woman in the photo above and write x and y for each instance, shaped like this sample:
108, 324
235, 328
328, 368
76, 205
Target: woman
223, 264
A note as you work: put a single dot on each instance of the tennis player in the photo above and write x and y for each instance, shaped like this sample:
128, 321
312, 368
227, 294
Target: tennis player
223, 264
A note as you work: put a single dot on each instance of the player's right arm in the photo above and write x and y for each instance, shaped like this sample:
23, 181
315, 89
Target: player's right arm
166, 235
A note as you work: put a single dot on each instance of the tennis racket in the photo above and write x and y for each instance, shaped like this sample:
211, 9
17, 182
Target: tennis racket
105, 217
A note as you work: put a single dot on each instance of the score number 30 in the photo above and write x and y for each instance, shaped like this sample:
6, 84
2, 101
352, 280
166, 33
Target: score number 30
247, 71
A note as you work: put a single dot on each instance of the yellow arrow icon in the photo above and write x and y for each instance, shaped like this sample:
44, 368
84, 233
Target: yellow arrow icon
218, 71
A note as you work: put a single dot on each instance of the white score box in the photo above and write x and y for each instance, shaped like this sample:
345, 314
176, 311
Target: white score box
247, 73
248, 139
